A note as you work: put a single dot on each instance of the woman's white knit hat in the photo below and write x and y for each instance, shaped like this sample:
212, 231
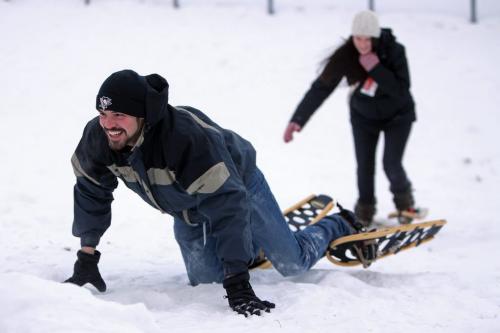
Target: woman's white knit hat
365, 23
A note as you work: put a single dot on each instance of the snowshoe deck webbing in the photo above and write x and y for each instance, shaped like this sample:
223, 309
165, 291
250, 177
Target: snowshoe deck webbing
305, 212
390, 240
308, 211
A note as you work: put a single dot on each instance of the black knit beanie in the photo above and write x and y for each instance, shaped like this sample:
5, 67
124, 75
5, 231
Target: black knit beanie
124, 92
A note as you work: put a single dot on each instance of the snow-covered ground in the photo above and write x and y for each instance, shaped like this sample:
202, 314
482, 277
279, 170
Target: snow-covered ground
248, 71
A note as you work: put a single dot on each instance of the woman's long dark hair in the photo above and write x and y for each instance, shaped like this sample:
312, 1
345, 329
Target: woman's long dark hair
325, 61
345, 55
348, 43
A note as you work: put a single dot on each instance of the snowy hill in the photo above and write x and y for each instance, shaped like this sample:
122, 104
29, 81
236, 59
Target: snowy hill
248, 71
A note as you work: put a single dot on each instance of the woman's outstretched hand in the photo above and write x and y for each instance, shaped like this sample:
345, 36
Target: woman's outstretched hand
290, 129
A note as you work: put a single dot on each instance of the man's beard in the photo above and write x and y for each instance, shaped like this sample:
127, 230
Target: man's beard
127, 140
118, 145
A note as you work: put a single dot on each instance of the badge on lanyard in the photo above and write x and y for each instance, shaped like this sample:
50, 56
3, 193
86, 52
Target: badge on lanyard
369, 87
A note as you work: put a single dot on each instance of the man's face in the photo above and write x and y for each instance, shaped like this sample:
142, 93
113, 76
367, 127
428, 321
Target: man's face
121, 129
363, 44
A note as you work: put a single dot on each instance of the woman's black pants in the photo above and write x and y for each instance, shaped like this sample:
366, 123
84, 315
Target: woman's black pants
366, 135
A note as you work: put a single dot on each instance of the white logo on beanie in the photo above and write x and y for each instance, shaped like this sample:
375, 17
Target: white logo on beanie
104, 102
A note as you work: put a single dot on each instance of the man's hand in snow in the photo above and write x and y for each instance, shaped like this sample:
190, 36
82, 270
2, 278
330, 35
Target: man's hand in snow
241, 296
86, 271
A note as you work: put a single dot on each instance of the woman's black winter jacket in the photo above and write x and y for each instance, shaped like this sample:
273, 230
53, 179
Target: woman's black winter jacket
392, 98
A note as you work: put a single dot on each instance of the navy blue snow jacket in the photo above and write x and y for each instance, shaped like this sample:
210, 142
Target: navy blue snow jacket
183, 164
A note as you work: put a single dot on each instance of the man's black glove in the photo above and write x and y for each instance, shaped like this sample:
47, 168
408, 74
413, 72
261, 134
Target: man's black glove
241, 297
86, 270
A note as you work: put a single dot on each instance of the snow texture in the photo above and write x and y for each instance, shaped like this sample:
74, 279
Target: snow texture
248, 71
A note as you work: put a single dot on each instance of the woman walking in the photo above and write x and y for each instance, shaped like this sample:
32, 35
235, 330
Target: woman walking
380, 102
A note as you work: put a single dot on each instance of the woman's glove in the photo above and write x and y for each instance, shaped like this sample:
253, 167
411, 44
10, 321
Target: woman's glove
86, 271
368, 61
241, 297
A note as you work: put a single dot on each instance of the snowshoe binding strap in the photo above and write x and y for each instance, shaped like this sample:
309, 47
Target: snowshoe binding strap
365, 251
349, 216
